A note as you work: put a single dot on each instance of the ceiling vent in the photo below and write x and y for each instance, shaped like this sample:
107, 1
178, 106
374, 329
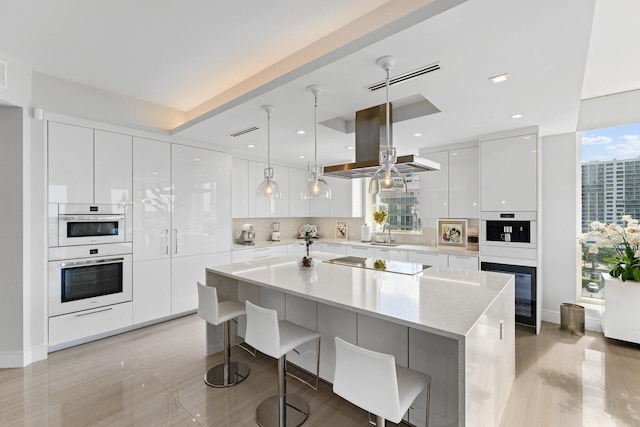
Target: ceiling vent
405, 77
243, 131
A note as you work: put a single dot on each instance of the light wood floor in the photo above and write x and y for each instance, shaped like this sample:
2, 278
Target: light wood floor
153, 377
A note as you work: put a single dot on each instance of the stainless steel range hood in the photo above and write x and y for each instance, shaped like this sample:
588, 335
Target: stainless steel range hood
371, 136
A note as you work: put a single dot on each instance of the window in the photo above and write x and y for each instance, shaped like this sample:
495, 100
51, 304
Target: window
402, 208
605, 153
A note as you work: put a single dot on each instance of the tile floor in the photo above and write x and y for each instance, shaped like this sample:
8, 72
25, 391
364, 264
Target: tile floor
153, 377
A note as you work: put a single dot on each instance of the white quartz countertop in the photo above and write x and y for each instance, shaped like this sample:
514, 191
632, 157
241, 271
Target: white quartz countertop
442, 300
401, 246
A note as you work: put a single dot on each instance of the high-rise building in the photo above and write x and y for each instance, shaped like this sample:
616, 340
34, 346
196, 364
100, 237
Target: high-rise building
610, 189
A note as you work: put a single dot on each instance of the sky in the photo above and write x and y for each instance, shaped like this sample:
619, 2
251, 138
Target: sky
619, 143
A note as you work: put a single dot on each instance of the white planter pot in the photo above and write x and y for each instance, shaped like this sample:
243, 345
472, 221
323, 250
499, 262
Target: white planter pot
622, 309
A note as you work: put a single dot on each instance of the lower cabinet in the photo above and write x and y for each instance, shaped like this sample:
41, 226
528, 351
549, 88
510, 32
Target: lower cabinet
241, 255
151, 290
429, 258
300, 249
461, 261
88, 323
392, 254
334, 248
165, 287
361, 251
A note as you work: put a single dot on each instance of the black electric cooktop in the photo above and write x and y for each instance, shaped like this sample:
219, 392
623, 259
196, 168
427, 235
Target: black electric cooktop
400, 267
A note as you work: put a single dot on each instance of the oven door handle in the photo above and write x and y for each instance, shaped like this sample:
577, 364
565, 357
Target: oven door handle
95, 218
91, 262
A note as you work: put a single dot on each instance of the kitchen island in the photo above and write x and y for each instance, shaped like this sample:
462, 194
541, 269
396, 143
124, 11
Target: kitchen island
457, 325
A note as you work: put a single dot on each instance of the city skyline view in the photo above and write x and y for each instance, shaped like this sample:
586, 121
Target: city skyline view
620, 143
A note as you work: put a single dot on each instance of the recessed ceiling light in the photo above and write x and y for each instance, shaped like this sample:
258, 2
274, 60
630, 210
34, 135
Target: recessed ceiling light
251, 146
499, 78
301, 157
197, 160
417, 134
527, 137
300, 132
349, 147
516, 116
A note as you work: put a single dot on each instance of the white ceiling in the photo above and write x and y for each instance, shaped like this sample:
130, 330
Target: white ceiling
197, 55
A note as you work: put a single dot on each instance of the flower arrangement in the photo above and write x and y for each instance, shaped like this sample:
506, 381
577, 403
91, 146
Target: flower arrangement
380, 216
626, 242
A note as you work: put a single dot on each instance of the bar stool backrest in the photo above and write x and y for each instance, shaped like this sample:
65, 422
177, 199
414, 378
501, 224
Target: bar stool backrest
208, 304
367, 379
263, 332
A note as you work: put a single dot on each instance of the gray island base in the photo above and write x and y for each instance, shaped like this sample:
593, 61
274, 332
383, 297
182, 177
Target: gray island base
456, 325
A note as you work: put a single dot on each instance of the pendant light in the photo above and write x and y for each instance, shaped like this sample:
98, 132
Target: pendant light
387, 177
269, 188
316, 187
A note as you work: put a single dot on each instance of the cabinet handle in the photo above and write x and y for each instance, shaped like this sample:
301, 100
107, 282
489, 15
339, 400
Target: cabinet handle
166, 241
94, 312
261, 256
175, 230
261, 249
501, 329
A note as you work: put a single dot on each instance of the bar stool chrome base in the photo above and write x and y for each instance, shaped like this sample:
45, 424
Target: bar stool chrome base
226, 376
296, 411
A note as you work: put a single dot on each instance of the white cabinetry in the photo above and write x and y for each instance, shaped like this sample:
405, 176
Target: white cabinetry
334, 248
429, 258
240, 255
453, 191
87, 166
463, 261
346, 199
181, 216
434, 187
508, 173
297, 206
299, 249
464, 191
240, 188
361, 251
392, 254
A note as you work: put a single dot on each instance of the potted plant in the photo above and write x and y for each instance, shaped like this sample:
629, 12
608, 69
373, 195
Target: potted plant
307, 262
622, 284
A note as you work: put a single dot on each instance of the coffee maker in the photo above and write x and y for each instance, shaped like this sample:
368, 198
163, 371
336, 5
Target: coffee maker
247, 235
275, 231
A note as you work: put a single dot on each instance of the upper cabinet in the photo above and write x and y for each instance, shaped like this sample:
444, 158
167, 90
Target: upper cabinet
87, 166
508, 173
239, 188
347, 199
464, 186
453, 191
297, 206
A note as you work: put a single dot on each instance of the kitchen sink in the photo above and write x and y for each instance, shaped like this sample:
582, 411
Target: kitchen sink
391, 245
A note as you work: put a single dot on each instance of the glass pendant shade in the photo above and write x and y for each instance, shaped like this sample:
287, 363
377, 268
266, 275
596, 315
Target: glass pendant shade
387, 178
269, 188
315, 187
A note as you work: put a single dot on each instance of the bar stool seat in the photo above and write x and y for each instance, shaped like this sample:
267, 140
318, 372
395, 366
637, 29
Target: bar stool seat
373, 382
275, 339
214, 312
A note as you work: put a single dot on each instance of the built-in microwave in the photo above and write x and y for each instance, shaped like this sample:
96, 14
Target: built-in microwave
84, 224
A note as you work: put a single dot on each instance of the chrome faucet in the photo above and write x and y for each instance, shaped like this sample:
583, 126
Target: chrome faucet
388, 226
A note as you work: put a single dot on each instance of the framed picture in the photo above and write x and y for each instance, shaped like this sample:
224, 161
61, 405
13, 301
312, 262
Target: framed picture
452, 232
342, 230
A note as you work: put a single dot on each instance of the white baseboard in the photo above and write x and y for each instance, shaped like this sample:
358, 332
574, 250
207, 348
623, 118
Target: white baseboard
592, 319
20, 359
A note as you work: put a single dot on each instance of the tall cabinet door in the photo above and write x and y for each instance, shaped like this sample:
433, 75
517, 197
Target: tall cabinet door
201, 201
112, 167
240, 188
434, 190
152, 199
70, 153
464, 178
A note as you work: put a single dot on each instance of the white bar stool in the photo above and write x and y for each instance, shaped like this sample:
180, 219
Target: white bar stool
374, 382
276, 339
214, 312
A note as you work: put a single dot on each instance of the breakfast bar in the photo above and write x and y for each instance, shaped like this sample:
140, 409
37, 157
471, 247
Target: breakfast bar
456, 325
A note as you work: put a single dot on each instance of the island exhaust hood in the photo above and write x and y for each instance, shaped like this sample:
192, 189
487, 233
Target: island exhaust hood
371, 135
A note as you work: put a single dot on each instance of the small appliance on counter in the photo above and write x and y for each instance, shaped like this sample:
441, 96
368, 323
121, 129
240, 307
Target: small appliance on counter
247, 235
275, 231
365, 233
